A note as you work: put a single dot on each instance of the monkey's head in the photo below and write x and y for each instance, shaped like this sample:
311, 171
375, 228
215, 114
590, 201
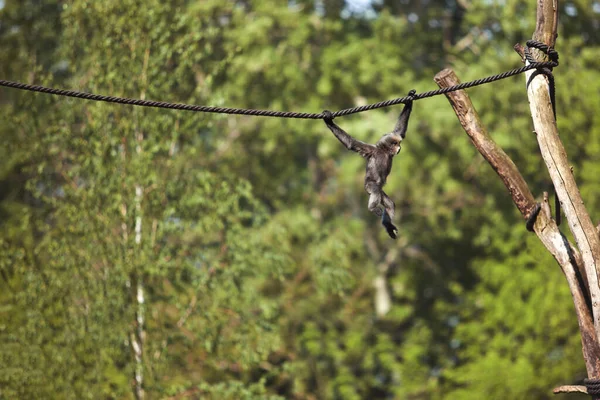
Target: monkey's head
390, 143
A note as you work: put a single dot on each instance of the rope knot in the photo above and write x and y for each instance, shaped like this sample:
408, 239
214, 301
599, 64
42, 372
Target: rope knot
543, 67
549, 51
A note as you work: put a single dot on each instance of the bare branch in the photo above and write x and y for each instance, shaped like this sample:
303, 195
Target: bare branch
555, 157
494, 155
545, 228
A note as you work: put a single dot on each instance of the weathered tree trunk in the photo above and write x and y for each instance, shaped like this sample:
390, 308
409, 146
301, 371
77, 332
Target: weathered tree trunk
571, 261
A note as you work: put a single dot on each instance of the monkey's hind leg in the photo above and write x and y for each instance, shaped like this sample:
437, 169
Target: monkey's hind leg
388, 204
377, 207
388, 216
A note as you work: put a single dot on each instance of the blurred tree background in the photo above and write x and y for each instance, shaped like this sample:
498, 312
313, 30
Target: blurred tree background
229, 257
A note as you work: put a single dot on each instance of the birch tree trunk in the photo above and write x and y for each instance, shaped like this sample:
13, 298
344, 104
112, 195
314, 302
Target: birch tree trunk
138, 337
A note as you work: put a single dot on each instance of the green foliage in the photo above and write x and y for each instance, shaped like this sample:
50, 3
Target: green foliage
250, 236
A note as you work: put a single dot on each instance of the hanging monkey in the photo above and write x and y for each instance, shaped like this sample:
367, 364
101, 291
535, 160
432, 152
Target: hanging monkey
379, 162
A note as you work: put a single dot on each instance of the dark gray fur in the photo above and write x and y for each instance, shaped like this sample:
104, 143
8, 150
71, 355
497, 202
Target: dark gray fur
379, 163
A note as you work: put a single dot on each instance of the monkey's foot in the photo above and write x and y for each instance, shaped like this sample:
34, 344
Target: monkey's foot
533, 216
392, 231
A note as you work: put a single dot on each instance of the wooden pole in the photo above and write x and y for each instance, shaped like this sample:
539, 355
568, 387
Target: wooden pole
553, 152
545, 228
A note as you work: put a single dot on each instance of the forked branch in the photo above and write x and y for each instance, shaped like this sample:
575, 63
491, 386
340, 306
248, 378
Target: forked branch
567, 256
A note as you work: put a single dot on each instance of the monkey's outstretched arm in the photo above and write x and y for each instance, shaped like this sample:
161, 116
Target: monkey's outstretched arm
364, 149
402, 123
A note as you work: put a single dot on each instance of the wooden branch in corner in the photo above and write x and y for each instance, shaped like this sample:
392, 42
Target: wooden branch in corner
545, 228
494, 155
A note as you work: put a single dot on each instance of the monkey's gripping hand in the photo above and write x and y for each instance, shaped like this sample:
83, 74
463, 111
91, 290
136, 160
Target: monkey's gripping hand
337, 131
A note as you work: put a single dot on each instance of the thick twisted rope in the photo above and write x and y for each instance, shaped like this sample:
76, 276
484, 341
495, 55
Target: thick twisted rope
290, 114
